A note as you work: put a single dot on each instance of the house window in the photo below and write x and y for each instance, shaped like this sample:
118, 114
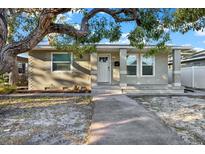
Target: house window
131, 64
21, 68
148, 66
61, 62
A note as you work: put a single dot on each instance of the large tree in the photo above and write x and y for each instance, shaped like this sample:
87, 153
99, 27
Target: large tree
22, 29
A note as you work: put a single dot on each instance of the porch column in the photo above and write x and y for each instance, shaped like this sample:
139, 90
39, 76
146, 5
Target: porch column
176, 69
93, 73
123, 68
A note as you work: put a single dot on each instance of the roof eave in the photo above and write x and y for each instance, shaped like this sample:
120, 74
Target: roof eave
115, 46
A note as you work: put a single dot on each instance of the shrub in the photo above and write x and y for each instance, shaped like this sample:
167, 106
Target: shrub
7, 89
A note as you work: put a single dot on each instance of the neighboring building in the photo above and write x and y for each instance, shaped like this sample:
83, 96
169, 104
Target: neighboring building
184, 55
120, 66
193, 70
196, 59
22, 65
22, 71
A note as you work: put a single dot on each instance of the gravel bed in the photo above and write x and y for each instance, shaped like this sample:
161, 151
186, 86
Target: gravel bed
185, 115
45, 120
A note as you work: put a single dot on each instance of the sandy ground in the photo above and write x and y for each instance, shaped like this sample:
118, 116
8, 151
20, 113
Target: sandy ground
45, 120
185, 115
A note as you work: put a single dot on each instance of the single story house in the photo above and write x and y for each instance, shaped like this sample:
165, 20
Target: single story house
112, 66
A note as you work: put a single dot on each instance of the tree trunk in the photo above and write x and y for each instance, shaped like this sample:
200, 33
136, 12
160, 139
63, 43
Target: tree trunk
8, 64
14, 75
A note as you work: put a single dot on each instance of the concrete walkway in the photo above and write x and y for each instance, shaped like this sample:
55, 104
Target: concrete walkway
118, 120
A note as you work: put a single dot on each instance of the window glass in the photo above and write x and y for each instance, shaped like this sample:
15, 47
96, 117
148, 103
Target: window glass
131, 60
61, 57
61, 62
147, 70
103, 59
61, 66
131, 64
147, 61
147, 65
131, 70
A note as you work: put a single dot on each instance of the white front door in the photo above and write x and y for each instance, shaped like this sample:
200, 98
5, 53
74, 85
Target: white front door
103, 68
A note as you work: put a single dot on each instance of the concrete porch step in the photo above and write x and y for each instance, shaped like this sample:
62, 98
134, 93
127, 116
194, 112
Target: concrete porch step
138, 89
153, 91
147, 87
132, 87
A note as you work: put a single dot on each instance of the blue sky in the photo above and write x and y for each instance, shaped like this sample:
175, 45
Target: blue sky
191, 38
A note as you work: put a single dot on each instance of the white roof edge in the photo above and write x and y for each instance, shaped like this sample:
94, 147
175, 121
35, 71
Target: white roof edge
192, 59
189, 59
114, 46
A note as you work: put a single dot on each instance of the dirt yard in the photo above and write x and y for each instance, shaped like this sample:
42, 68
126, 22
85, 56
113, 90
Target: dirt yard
185, 115
45, 120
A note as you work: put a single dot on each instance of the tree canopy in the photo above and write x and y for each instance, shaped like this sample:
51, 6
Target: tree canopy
22, 29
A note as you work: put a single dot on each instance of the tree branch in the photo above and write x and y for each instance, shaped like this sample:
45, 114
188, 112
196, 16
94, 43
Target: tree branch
116, 14
70, 30
38, 33
46, 26
3, 28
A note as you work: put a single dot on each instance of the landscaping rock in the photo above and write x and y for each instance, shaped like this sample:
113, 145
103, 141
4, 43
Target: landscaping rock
186, 115
45, 120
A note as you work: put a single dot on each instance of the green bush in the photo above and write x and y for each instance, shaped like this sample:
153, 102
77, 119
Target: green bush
7, 89
1, 79
4, 78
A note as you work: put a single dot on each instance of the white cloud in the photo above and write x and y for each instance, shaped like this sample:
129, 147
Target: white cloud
67, 17
44, 41
77, 26
200, 33
123, 40
102, 13
186, 45
170, 44
166, 30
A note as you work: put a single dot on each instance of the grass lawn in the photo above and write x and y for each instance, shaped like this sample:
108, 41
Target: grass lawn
45, 120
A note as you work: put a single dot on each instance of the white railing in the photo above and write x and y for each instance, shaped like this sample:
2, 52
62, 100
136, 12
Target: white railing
193, 77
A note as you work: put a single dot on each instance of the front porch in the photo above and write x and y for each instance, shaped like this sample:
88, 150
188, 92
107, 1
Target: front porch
121, 81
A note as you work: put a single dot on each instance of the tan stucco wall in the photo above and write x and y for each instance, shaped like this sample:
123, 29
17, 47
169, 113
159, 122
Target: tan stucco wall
115, 69
41, 76
161, 72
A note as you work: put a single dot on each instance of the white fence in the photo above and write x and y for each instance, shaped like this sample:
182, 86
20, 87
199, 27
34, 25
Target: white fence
192, 76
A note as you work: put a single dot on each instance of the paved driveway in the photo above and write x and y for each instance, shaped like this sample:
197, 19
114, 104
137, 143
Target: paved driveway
118, 120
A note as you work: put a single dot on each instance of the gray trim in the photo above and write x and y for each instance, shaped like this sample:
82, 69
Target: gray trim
176, 72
